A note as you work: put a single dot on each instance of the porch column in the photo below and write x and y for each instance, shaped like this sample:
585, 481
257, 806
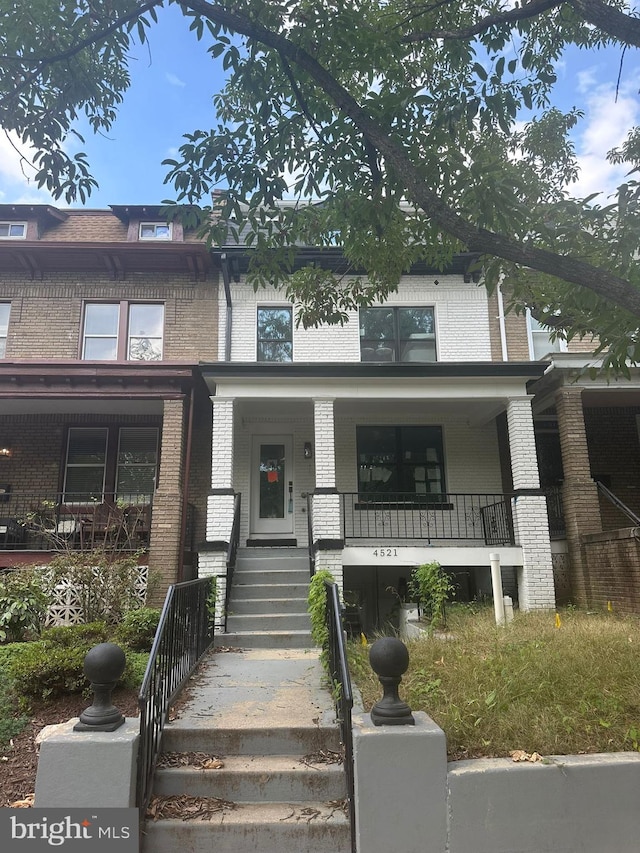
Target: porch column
579, 492
531, 523
166, 512
326, 525
212, 557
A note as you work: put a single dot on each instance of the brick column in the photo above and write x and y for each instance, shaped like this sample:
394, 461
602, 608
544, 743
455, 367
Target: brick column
166, 515
531, 524
580, 502
212, 557
326, 521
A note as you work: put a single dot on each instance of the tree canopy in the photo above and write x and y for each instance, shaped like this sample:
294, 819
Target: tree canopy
417, 130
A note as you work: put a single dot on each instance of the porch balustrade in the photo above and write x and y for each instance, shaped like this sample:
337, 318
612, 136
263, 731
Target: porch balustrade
51, 522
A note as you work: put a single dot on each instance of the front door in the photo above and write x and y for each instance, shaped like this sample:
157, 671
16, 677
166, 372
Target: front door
271, 486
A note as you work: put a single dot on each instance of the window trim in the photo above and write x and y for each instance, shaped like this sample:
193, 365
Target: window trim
397, 343
123, 336
260, 340
4, 338
11, 225
558, 345
155, 224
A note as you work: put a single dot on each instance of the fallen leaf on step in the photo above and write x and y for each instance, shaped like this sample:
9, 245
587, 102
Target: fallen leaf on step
521, 755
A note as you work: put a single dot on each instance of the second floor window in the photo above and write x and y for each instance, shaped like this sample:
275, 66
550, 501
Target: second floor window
155, 231
13, 230
397, 334
5, 307
119, 331
540, 343
275, 334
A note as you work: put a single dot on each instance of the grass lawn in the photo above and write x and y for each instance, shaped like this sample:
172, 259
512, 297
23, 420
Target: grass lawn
530, 686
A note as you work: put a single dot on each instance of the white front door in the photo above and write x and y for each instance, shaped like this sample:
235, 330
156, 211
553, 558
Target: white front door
271, 485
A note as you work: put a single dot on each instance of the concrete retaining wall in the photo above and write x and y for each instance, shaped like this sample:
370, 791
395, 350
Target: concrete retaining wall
564, 804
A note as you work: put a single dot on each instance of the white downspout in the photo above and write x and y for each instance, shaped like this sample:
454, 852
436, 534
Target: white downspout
503, 328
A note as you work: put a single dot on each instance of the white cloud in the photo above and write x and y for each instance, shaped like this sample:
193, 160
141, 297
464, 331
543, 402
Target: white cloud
174, 80
17, 183
605, 126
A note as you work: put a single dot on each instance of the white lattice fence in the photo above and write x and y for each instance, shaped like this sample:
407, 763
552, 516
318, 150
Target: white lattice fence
67, 608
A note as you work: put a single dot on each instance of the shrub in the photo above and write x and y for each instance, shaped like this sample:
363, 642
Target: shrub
317, 608
138, 628
23, 604
46, 670
88, 635
431, 587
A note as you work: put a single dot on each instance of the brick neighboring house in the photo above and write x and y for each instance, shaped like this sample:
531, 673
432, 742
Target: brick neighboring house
104, 418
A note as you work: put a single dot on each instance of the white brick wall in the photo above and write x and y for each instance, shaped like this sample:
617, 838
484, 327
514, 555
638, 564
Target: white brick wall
222, 444
461, 313
535, 582
325, 443
524, 463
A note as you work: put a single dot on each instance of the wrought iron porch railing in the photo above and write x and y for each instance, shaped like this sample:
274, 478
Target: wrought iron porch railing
343, 694
619, 504
232, 553
184, 633
46, 521
555, 511
485, 518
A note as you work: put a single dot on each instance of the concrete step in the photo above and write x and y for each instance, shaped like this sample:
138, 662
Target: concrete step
241, 623
265, 639
256, 779
244, 739
289, 555
281, 575
308, 827
242, 606
243, 591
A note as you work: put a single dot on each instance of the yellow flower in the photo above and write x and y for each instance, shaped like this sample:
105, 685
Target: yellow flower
558, 620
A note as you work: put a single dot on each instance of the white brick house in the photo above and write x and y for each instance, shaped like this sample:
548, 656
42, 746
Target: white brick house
402, 437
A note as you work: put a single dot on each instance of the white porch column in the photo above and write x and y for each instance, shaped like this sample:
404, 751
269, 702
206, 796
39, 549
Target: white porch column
326, 523
212, 558
531, 524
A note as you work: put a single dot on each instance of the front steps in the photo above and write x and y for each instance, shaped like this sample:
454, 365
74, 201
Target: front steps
268, 603
251, 763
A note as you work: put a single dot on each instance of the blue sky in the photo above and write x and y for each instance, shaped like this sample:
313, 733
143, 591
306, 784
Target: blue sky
174, 80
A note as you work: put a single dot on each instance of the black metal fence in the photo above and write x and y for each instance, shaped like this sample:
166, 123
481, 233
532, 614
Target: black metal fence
185, 632
343, 694
484, 518
45, 521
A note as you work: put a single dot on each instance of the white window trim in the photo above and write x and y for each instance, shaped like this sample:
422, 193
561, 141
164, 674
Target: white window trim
10, 236
559, 345
155, 225
284, 306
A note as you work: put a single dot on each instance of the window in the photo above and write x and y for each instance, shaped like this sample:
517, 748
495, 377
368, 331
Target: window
539, 341
275, 334
13, 230
403, 461
155, 231
5, 308
119, 462
397, 334
121, 330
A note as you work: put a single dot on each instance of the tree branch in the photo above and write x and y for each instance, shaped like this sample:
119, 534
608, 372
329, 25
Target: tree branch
601, 281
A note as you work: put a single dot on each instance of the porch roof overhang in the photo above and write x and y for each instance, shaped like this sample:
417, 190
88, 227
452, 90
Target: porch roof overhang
584, 371
24, 383
117, 260
364, 380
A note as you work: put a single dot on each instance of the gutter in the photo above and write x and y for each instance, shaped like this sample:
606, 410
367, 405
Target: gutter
501, 321
226, 280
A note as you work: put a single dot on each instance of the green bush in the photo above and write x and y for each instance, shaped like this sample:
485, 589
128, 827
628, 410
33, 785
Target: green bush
46, 670
23, 604
138, 629
87, 635
317, 609
431, 587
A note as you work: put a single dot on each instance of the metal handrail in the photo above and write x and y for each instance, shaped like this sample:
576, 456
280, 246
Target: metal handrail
312, 553
615, 500
343, 693
232, 554
184, 633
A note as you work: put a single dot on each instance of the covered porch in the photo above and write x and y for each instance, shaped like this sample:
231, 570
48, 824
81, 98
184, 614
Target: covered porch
359, 462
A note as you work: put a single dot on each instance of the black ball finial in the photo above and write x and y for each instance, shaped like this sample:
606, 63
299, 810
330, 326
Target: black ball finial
389, 659
103, 666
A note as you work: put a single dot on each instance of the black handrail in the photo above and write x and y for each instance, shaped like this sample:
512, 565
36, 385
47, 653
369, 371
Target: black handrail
184, 633
312, 553
615, 500
342, 691
232, 553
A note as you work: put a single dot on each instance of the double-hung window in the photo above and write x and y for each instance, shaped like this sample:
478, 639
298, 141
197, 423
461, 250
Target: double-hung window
5, 308
397, 334
275, 334
13, 230
540, 342
101, 461
155, 231
119, 331
401, 462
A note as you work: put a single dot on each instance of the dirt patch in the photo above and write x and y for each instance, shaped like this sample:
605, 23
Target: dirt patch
19, 759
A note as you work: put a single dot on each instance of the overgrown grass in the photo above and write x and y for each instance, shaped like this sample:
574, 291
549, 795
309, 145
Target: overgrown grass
530, 686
